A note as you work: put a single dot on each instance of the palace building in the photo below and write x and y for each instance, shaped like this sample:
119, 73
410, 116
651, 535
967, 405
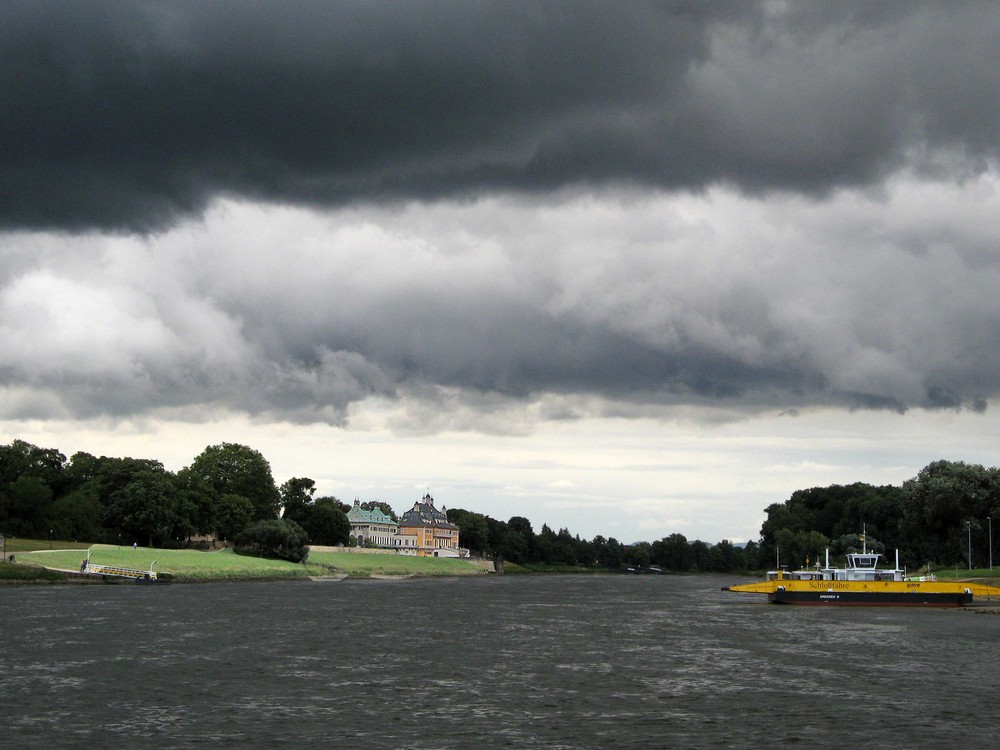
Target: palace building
372, 527
423, 530
433, 534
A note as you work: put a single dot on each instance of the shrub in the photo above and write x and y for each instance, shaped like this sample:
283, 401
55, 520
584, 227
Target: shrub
277, 538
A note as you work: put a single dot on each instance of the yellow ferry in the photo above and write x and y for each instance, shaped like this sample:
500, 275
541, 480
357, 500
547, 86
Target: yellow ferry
861, 582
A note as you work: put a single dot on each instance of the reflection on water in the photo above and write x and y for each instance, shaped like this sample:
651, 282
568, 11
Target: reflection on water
536, 662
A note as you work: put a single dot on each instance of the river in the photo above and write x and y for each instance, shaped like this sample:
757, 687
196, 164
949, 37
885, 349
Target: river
492, 662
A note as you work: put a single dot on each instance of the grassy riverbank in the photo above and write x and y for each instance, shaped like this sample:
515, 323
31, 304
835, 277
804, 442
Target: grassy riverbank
225, 565
362, 565
13, 545
979, 575
10, 573
15, 573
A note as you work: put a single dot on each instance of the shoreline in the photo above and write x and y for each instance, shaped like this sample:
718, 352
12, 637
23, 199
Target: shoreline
50, 576
61, 566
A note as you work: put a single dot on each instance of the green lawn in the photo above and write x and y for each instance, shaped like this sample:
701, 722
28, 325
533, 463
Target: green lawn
16, 544
28, 574
182, 563
982, 575
194, 565
366, 565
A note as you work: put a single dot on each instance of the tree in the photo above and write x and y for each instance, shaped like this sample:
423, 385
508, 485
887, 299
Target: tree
328, 524
27, 506
638, 554
22, 459
610, 553
564, 548
145, 508
724, 558
196, 505
521, 543
296, 499
382, 506
673, 553
324, 519
77, 516
474, 531
939, 501
800, 548
107, 479
30, 477
230, 468
546, 545
699, 555
586, 552
278, 538
878, 510
233, 513
832, 512
81, 470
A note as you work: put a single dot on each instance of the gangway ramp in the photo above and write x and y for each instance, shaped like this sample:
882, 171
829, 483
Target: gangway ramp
112, 572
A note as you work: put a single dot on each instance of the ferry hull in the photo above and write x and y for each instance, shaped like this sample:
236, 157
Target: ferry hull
871, 598
869, 593
861, 584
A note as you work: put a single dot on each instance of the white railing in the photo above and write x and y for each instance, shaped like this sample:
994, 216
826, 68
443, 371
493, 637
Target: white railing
111, 570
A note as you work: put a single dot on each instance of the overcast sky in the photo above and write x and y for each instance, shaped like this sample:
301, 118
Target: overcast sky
627, 268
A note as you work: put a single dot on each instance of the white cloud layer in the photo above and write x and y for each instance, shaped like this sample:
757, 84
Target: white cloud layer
884, 300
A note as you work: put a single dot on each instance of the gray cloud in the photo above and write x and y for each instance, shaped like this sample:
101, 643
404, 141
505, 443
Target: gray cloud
623, 305
132, 115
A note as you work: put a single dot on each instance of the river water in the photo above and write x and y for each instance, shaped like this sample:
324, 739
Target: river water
490, 662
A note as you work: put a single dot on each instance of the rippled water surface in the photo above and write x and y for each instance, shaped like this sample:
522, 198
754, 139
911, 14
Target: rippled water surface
518, 662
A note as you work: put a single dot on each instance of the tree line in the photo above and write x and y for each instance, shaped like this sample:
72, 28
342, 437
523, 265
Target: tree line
228, 489
941, 517
516, 541
229, 493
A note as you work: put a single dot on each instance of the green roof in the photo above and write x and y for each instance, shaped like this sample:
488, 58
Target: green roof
357, 514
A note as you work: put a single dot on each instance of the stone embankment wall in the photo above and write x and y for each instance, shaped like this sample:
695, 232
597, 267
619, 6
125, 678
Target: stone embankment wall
353, 550
482, 563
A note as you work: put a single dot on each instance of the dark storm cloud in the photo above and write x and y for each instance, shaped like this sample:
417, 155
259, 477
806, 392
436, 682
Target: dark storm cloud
488, 238
129, 115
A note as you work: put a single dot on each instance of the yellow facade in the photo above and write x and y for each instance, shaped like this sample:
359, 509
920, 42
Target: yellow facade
428, 526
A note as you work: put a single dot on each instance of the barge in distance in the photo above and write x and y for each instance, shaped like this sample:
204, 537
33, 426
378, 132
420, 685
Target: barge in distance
862, 583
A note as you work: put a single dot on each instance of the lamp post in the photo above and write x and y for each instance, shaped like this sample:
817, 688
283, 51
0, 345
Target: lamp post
968, 525
990, 520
